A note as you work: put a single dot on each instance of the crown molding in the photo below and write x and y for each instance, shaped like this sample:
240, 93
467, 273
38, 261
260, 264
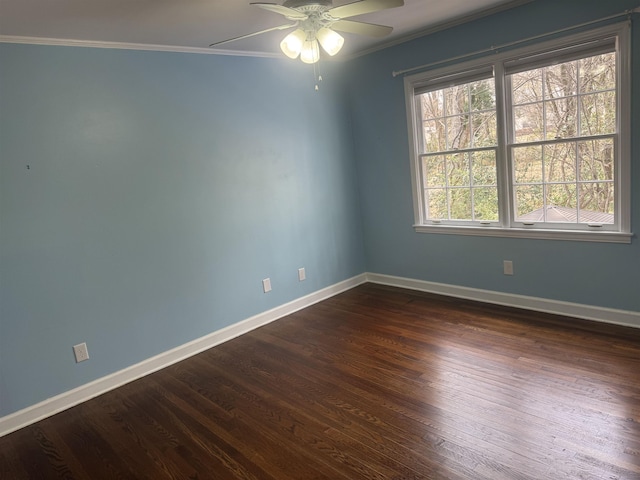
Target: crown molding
68, 42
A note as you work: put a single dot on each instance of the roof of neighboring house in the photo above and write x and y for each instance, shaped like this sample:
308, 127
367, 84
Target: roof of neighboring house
566, 214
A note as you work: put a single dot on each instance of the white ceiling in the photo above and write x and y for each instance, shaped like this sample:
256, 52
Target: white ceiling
188, 24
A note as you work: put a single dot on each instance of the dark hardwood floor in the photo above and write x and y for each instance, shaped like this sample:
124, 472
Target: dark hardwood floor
375, 383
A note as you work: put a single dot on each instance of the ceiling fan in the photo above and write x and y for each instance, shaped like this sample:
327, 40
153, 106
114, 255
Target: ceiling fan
318, 23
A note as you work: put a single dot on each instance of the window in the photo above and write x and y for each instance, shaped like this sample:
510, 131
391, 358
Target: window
534, 143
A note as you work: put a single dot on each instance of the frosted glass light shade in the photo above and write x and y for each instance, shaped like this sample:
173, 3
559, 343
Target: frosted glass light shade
331, 41
310, 51
291, 45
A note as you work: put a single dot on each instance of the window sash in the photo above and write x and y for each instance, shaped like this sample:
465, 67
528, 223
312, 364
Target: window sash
578, 181
535, 62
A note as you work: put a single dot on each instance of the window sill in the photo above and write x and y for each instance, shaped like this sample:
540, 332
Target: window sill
572, 235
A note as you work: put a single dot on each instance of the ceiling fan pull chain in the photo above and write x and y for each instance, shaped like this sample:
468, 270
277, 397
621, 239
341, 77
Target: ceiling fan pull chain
316, 74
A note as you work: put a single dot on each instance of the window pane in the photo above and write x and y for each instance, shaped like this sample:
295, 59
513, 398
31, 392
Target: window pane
458, 169
560, 162
527, 164
564, 195
528, 122
484, 167
527, 87
483, 95
560, 80
437, 203
598, 113
460, 201
432, 104
434, 171
456, 99
433, 135
561, 118
529, 203
458, 132
485, 203
598, 73
484, 129
596, 159
596, 202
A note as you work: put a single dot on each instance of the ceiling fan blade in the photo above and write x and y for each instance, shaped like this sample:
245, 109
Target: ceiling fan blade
361, 28
290, 13
281, 27
365, 6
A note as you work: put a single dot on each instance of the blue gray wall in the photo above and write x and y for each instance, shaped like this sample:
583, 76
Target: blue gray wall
145, 195
606, 275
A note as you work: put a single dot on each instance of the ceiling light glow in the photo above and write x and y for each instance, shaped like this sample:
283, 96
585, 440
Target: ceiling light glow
292, 44
330, 40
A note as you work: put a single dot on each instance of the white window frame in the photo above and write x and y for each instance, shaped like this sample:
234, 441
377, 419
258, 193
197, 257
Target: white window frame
620, 232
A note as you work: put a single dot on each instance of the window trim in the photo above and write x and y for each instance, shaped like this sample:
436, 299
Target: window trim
506, 226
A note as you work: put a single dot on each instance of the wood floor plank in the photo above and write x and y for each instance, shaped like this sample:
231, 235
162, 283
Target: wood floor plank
374, 383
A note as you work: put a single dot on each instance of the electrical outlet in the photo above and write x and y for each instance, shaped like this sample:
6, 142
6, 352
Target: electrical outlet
302, 275
508, 267
266, 285
81, 352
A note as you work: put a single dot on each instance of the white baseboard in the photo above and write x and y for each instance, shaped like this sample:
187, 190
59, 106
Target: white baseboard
587, 312
53, 405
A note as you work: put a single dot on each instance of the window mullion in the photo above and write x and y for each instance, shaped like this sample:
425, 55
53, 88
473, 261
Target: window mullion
623, 148
504, 133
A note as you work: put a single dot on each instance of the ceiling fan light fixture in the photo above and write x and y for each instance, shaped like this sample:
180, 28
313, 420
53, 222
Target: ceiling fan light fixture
313, 19
330, 40
292, 44
310, 51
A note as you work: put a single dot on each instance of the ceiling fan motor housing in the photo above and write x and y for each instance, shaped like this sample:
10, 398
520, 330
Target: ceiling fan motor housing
317, 12
307, 3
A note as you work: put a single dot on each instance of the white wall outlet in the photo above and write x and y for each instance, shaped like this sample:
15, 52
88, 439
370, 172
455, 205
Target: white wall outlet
81, 352
266, 285
508, 267
302, 275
